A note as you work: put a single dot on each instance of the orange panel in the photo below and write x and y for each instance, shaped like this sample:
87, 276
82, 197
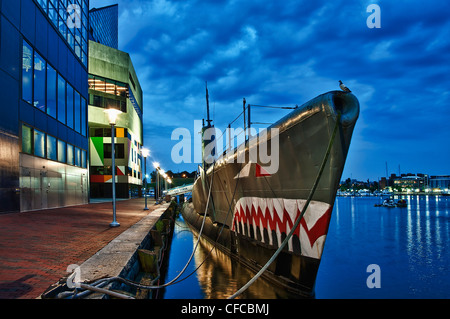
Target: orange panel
120, 132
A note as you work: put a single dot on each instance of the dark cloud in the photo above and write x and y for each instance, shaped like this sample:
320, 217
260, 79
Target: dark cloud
286, 52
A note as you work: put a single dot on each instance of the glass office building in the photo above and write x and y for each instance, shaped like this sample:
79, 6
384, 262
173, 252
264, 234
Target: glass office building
44, 92
104, 24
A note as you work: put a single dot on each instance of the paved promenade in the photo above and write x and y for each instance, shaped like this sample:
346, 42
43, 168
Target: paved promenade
36, 247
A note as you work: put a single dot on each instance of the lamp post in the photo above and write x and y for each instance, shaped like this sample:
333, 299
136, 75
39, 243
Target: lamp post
156, 166
112, 115
145, 152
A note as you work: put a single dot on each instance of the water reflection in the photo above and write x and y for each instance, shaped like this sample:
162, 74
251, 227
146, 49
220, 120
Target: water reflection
218, 276
409, 244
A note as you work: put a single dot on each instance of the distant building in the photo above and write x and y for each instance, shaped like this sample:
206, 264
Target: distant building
104, 26
442, 182
409, 181
113, 84
43, 118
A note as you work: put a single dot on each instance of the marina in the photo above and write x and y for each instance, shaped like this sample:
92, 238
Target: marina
409, 244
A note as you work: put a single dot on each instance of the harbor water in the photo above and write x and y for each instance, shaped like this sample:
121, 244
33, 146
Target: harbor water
370, 252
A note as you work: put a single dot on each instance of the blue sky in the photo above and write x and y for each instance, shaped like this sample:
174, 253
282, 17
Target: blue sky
284, 53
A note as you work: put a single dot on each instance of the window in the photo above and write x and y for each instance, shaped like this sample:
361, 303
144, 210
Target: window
70, 39
39, 81
43, 4
27, 141
131, 80
61, 99
27, 72
52, 12
52, 153
62, 23
91, 82
83, 116
120, 150
77, 157
47, 90
70, 154
116, 103
51, 91
112, 87
77, 112
69, 105
83, 159
100, 170
61, 151
96, 100
63, 19
39, 143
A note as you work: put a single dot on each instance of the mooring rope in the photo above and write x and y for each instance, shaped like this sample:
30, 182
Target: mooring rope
297, 222
102, 282
220, 232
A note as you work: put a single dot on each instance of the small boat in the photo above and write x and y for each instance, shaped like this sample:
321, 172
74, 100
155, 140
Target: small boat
387, 203
401, 203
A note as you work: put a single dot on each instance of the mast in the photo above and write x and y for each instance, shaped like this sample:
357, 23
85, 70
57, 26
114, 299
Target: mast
206, 141
208, 120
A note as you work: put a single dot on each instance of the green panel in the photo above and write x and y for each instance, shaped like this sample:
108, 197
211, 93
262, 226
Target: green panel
98, 145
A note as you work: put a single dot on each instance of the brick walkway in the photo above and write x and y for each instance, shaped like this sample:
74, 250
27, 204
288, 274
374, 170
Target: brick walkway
36, 247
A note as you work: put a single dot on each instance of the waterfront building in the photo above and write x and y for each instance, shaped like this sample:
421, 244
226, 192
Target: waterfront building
409, 181
113, 83
441, 182
44, 92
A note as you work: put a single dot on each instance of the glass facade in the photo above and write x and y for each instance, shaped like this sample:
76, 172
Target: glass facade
40, 67
27, 72
38, 143
51, 93
44, 54
71, 19
104, 24
52, 89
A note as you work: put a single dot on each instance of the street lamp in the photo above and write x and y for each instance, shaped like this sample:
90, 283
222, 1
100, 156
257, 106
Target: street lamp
112, 115
145, 152
156, 166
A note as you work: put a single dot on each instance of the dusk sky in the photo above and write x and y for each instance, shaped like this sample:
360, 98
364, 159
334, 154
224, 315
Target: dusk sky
283, 53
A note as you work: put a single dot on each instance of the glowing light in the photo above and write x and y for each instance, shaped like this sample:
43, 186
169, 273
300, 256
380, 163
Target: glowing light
145, 152
112, 115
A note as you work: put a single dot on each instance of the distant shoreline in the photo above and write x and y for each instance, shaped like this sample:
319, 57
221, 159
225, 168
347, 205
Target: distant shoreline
397, 194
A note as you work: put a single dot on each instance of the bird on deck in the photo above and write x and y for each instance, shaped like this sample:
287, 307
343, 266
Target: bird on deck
343, 87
